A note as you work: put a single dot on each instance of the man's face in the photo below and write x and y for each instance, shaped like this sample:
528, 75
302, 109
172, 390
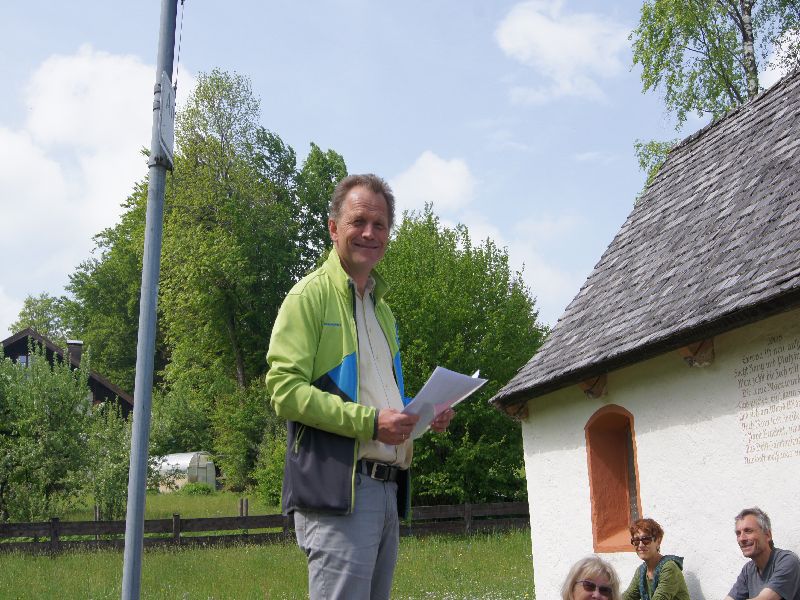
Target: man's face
752, 540
361, 233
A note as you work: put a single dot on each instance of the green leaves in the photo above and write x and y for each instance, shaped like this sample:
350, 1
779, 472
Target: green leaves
46, 315
705, 55
692, 52
462, 307
108, 461
651, 155
45, 417
242, 226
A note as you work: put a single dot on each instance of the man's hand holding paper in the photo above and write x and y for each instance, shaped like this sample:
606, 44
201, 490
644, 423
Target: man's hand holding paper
435, 401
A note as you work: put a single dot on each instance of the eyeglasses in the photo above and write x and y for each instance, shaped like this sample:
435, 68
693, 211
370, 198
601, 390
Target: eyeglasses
645, 539
591, 586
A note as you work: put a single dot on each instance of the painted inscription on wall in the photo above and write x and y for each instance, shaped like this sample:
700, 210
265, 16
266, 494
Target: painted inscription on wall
769, 400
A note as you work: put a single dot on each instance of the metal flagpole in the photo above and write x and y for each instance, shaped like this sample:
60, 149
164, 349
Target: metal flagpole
161, 144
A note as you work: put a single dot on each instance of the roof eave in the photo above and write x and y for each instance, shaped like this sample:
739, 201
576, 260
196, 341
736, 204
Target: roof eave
726, 322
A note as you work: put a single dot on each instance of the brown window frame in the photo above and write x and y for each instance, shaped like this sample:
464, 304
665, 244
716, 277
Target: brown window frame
613, 477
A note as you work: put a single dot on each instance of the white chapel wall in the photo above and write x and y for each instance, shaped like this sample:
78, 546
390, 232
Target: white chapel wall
710, 441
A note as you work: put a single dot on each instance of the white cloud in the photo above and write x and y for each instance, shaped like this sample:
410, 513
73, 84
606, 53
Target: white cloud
91, 100
567, 51
595, 157
9, 309
554, 286
65, 171
548, 228
504, 140
447, 184
501, 134
33, 186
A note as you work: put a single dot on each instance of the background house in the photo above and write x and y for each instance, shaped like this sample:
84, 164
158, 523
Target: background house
670, 387
16, 348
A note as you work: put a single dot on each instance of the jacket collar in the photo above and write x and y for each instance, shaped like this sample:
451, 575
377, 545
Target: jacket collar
342, 282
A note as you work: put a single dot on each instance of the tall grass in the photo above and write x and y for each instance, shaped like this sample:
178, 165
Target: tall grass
487, 567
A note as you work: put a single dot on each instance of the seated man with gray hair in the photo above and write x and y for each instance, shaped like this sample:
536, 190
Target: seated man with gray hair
771, 573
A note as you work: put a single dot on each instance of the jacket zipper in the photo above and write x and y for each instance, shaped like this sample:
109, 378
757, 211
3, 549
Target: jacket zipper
358, 376
301, 429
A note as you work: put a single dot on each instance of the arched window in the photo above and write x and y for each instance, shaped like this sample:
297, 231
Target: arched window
613, 477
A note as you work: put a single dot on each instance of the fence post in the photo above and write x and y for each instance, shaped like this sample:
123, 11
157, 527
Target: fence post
241, 507
246, 507
467, 517
176, 528
54, 541
286, 525
96, 519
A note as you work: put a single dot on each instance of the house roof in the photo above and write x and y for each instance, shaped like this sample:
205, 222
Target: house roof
713, 244
17, 345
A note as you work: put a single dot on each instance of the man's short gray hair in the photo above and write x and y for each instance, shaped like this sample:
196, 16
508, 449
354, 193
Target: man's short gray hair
372, 182
761, 517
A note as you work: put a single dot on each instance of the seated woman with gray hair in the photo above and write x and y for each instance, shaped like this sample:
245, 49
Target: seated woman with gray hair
591, 578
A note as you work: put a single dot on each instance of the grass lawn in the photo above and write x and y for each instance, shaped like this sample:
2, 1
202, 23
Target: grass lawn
162, 506
460, 567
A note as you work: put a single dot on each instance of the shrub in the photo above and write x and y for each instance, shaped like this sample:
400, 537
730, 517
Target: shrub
44, 420
268, 473
197, 489
109, 447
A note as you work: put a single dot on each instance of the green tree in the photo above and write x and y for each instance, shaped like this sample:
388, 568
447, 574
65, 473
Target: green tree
104, 306
786, 34
268, 473
651, 155
462, 307
108, 445
45, 413
242, 223
45, 314
230, 243
180, 422
321, 171
240, 422
704, 55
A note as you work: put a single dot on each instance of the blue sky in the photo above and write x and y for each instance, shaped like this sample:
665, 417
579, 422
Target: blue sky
515, 118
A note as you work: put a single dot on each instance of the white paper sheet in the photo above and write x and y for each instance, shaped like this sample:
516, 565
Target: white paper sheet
444, 389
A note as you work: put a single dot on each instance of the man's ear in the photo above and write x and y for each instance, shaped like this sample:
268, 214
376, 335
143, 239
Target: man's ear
332, 229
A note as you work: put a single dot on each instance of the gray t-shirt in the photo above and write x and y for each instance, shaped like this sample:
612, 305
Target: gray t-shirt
781, 574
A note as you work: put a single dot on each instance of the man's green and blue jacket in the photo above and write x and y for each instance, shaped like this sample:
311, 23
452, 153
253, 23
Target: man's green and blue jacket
313, 383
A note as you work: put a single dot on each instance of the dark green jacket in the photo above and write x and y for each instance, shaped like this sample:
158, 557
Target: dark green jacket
667, 583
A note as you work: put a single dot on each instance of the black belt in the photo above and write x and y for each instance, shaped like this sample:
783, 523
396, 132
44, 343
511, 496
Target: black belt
379, 471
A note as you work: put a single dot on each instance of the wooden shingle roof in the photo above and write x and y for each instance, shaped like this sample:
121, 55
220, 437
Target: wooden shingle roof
713, 244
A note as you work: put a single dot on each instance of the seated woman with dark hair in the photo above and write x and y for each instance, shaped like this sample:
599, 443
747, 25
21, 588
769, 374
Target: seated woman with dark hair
659, 577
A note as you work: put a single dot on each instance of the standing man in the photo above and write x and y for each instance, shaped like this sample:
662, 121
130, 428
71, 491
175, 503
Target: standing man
771, 573
335, 375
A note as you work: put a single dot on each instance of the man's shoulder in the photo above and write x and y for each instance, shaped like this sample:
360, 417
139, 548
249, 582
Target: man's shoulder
316, 279
326, 277
749, 569
786, 557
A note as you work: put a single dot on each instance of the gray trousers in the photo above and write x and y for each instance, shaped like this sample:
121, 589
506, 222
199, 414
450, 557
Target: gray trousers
352, 556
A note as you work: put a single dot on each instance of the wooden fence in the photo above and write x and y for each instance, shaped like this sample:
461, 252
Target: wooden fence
57, 536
